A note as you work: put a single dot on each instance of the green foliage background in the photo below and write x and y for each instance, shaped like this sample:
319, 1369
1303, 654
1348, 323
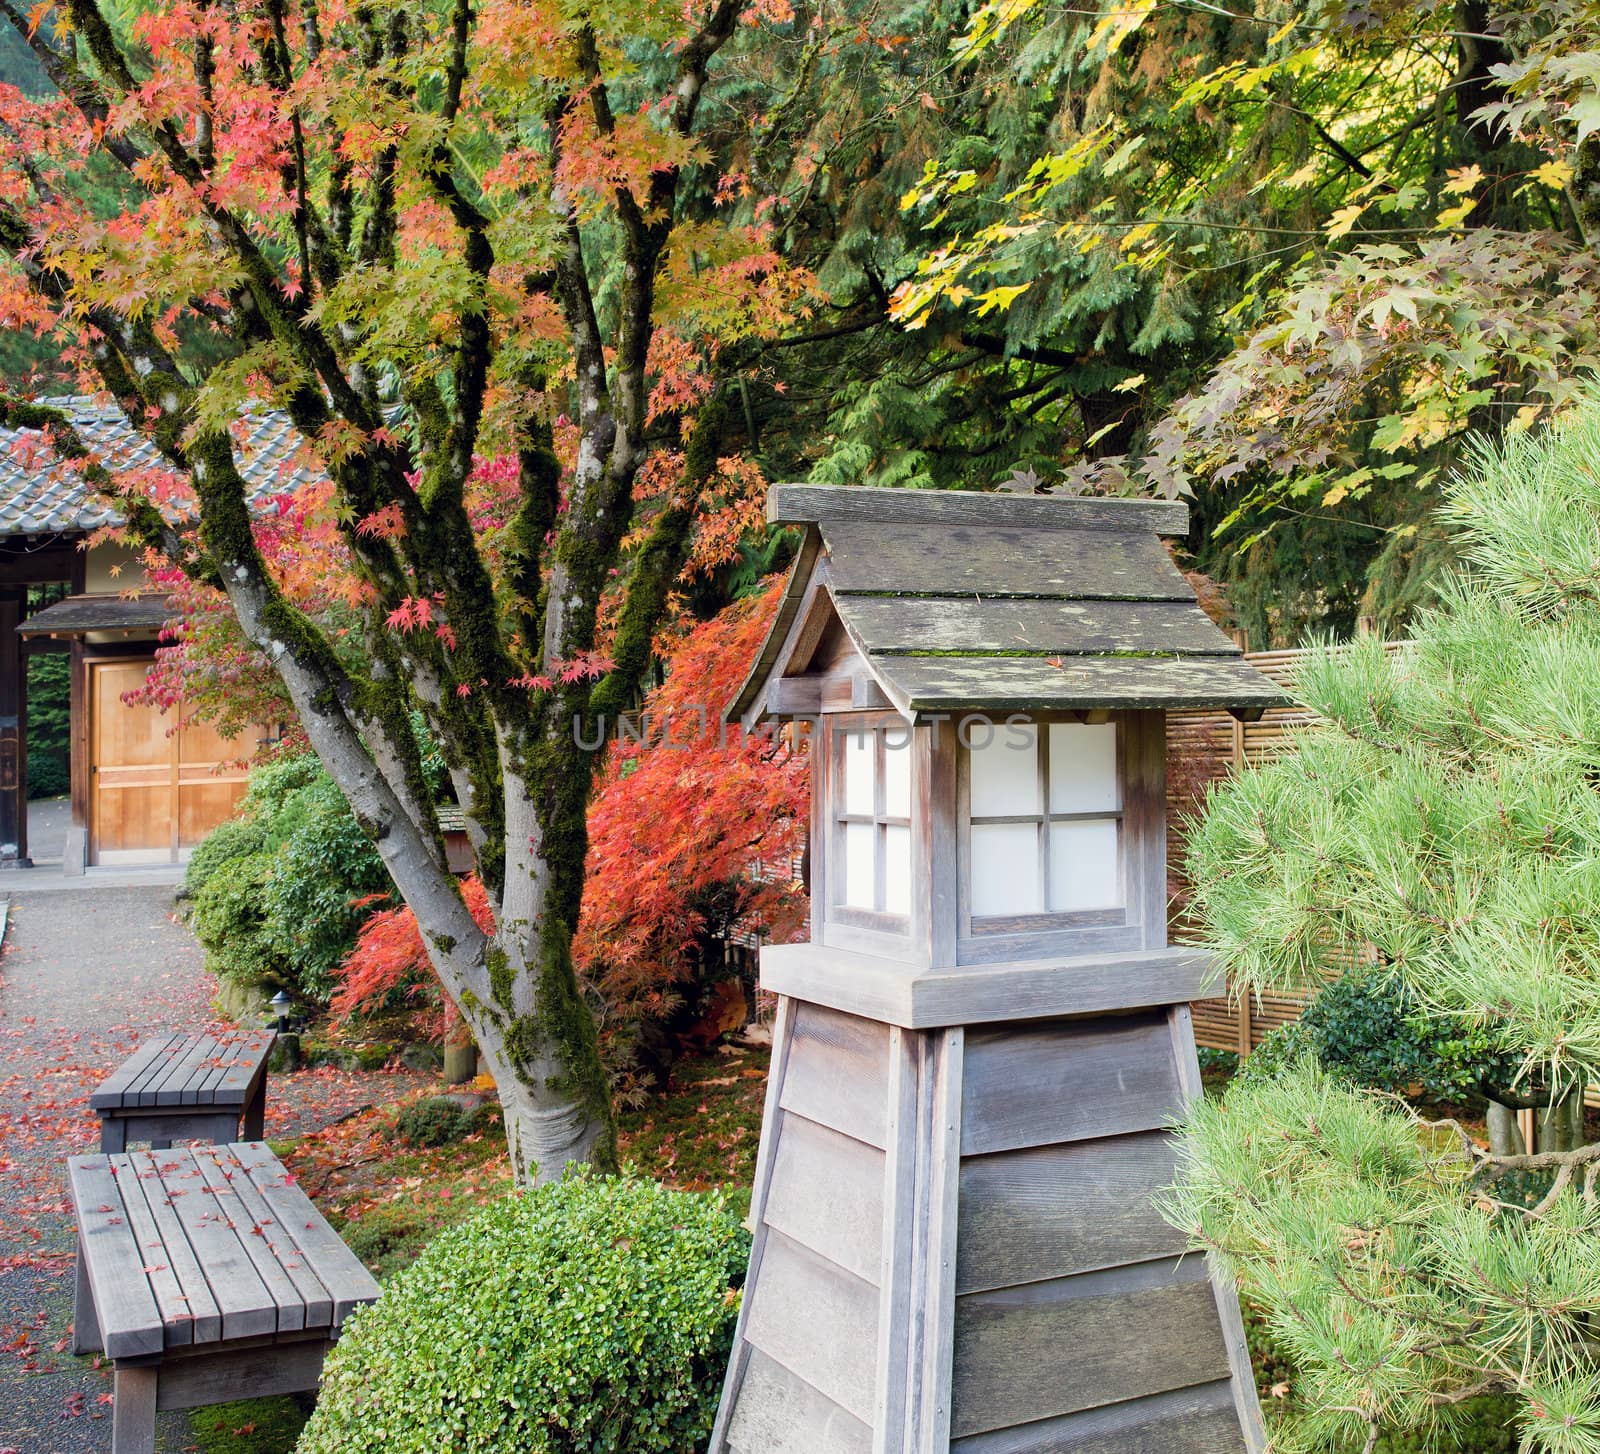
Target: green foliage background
49, 725
1238, 207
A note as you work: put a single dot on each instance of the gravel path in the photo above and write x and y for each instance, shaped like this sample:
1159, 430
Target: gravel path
84, 976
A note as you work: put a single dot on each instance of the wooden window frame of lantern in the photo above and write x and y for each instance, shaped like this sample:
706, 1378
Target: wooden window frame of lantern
880, 919
1130, 926
848, 926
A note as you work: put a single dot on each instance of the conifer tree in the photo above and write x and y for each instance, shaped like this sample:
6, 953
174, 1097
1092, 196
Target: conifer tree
1445, 821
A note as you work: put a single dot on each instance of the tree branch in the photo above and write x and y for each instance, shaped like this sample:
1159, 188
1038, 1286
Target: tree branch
84, 93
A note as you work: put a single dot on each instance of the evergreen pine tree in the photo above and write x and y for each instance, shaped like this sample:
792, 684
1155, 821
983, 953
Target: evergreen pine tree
1445, 819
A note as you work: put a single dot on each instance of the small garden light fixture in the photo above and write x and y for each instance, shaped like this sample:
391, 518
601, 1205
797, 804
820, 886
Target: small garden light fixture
280, 1005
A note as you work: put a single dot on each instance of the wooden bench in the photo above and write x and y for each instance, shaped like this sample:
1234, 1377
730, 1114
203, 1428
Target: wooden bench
205, 1275
186, 1087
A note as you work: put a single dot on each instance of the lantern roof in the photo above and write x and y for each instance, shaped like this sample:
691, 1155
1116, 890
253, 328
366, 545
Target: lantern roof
960, 601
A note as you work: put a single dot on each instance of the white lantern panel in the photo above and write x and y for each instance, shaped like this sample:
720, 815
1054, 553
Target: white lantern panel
1005, 769
1005, 869
897, 870
1085, 866
897, 772
860, 865
860, 773
1083, 768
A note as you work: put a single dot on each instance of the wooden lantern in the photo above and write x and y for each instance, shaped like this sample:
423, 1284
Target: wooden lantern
957, 1244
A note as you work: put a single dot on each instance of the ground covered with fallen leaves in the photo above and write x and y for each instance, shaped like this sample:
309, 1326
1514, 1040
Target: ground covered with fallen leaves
85, 974
83, 977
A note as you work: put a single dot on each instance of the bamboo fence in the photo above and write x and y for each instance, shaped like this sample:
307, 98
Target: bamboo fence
1203, 747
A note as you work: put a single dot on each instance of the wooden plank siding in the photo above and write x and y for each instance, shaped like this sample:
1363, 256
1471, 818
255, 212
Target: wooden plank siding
1076, 1314
779, 1413
1075, 1343
1039, 1084
827, 1195
838, 1075
1040, 1213
1198, 1420
804, 1374
819, 1321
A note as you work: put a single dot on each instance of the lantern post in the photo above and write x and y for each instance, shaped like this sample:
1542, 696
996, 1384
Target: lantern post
978, 1056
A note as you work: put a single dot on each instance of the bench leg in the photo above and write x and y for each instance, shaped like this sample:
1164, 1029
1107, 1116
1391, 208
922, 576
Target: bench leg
255, 1114
113, 1134
85, 1322
133, 1414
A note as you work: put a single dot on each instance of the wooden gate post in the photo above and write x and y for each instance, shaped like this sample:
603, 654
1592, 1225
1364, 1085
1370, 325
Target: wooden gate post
13, 732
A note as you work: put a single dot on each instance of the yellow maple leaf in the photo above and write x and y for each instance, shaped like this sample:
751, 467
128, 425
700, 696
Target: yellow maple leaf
1553, 174
1343, 220
1119, 22
1001, 298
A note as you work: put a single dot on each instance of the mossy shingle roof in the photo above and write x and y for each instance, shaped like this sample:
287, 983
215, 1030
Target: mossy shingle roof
997, 602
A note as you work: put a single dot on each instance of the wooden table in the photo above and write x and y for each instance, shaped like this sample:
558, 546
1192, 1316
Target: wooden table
186, 1087
205, 1275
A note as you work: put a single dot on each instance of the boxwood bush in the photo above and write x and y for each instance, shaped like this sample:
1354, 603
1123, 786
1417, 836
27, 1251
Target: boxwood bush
593, 1314
278, 889
1365, 1028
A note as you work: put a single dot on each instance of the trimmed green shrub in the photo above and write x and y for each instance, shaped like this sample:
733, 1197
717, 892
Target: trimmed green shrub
593, 1314
325, 865
233, 838
1278, 1048
289, 918
435, 1121
230, 920
273, 781
1366, 1027
325, 874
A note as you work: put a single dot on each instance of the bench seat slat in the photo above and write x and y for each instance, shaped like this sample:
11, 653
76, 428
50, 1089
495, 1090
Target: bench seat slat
239, 1054
153, 1073
243, 1074
170, 1092
248, 1308
108, 1094
338, 1268
211, 1075
158, 1262
280, 1239
189, 1093
220, 1170
196, 1291
125, 1307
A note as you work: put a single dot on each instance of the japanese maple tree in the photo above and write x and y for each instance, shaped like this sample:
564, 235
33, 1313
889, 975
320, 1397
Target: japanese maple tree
695, 810
685, 814
485, 258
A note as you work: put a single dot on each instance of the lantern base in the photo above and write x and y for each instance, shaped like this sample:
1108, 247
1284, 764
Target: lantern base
957, 1247
919, 998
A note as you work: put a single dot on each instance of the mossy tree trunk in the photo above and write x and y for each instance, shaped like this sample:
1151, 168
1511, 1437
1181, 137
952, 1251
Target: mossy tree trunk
514, 687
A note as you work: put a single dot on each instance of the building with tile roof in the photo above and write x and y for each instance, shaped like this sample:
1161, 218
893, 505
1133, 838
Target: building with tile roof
141, 791
39, 497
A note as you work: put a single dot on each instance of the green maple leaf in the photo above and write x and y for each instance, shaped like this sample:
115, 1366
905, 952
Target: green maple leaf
1585, 114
